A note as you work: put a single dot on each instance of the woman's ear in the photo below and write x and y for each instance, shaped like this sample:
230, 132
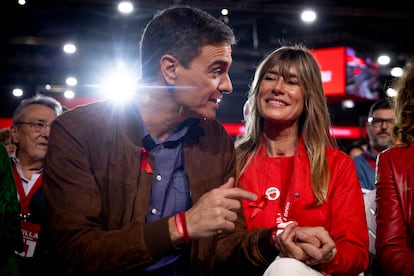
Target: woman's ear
168, 68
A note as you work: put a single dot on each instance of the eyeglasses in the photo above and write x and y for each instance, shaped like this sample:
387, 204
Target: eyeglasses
377, 122
37, 126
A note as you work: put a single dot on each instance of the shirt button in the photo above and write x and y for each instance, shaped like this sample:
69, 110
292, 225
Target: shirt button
153, 211
158, 177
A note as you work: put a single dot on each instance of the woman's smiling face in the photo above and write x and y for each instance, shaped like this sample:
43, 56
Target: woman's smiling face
280, 98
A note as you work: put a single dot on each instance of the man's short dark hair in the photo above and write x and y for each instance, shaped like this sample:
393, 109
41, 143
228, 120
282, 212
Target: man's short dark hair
380, 104
180, 31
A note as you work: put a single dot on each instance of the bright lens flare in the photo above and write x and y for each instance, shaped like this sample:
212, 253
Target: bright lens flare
119, 86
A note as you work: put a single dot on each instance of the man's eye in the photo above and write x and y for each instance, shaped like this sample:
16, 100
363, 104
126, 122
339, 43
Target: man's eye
217, 71
39, 125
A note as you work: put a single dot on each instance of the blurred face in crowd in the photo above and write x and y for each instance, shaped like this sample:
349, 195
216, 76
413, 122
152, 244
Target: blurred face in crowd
379, 129
31, 133
9, 146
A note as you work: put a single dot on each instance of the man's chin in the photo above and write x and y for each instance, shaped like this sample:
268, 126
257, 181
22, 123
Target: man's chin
383, 146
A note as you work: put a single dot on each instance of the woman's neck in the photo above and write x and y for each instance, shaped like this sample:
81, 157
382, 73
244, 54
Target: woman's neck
279, 146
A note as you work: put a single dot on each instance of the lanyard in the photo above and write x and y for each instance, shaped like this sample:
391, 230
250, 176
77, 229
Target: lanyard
25, 200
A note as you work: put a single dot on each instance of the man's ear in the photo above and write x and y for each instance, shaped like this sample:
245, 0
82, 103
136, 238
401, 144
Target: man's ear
168, 68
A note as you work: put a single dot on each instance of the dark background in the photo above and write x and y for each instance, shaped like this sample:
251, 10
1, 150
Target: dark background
32, 37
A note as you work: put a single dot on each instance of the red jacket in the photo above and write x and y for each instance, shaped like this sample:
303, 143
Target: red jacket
342, 215
395, 220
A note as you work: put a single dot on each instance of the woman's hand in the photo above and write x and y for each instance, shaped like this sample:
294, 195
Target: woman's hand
313, 245
286, 241
323, 253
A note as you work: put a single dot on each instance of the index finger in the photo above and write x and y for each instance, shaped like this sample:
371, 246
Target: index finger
238, 193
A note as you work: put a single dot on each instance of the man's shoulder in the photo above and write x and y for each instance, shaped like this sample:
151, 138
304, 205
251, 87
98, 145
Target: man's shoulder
209, 127
89, 118
359, 159
210, 132
87, 108
100, 111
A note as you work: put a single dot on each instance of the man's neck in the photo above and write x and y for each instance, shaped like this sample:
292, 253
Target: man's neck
161, 121
28, 164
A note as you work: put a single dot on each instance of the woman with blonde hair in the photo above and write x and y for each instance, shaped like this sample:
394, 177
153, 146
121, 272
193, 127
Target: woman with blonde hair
306, 186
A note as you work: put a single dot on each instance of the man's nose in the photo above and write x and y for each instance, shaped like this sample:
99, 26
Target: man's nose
226, 86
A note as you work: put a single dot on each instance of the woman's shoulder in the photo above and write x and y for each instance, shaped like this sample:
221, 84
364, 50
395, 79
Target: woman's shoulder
334, 152
338, 158
398, 150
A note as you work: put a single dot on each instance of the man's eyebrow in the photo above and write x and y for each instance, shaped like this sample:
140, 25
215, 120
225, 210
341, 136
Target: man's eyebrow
220, 62
38, 120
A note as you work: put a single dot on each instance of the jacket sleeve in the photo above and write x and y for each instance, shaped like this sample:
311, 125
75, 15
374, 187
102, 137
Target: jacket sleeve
96, 206
238, 252
242, 252
348, 227
394, 255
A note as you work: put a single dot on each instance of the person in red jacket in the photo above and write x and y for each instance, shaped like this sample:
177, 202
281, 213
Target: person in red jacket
304, 183
395, 188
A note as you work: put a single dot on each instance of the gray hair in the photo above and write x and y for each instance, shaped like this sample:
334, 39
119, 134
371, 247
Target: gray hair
47, 101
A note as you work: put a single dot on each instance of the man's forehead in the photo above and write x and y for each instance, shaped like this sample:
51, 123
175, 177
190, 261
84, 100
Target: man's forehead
388, 112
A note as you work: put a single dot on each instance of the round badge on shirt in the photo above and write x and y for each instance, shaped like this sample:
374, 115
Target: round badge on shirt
272, 193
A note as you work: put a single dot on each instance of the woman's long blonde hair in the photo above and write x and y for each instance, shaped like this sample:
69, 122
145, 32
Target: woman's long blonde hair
314, 125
